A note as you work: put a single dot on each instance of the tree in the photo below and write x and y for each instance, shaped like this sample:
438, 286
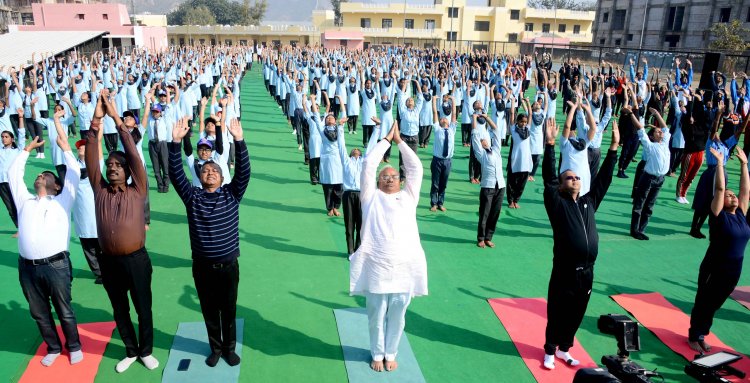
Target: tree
337, 10
255, 12
199, 16
584, 5
225, 12
730, 36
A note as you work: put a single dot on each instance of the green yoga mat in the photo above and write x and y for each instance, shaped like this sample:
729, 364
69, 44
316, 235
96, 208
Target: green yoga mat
191, 343
355, 341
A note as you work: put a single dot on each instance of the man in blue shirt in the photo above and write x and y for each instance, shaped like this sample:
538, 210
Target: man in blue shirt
213, 220
656, 152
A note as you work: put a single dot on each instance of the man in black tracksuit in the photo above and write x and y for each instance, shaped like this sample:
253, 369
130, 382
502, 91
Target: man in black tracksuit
576, 245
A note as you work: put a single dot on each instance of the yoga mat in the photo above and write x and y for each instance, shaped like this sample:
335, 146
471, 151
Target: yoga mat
94, 338
741, 294
191, 343
525, 320
671, 325
354, 335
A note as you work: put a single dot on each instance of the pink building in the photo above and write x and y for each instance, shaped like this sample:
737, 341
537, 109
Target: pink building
338, 39
109, 17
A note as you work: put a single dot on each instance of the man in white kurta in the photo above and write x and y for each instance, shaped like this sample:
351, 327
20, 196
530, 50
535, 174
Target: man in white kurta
389, 267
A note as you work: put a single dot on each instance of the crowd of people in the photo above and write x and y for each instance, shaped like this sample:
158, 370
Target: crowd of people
411, 97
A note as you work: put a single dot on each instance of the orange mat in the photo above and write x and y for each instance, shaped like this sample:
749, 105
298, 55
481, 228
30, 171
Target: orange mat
94, 338
525, 320
671, 325
741, 294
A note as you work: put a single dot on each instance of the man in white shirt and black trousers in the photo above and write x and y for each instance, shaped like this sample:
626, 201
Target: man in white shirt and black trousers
656, 151
213, 221
44, 265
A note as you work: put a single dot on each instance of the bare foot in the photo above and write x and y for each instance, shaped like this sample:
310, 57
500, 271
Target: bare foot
390, 365
15, 235
700, 346
377, 365
695, 346
433, 209
489, 243
531, 179
330, 213
442, 208
481, 244
336, 212
146, 227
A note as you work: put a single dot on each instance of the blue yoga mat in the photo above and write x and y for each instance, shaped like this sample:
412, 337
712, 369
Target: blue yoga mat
355, 341
191, 343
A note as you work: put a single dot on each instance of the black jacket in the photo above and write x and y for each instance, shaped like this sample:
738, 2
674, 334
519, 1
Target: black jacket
576, 240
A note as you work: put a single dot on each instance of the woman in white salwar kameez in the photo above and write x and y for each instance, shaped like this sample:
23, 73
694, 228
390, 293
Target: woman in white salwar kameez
389, 267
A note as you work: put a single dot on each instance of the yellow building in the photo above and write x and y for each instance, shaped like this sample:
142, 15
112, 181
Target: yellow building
450, 24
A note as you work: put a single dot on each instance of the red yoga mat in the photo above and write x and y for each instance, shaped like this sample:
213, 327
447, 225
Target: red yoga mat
671, 325
741, 294
525, 320
94, 338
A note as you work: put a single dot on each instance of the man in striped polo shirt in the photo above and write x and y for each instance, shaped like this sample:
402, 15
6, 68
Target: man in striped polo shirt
213, 219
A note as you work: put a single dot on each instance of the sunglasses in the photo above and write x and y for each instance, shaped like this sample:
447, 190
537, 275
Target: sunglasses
571, 178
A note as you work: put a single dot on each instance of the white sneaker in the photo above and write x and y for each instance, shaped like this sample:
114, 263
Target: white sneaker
41, 155
299, 147
567, 358
150, 362
685, 200
549, 362
294, 131
124, 364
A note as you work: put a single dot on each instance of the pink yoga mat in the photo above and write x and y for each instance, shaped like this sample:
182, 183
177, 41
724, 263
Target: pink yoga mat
741, 294
94, 339
525, 320
671, 325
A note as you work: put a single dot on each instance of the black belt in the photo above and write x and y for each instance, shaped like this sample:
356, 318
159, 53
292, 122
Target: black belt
214, 265
44, 261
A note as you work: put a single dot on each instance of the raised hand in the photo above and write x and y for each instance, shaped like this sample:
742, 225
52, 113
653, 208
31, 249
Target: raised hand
741, 156
718, 155
33, 144
180, 130
615, 136
59, 114
235, 129
552, 131
99, 110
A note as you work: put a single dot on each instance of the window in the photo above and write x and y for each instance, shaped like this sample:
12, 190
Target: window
630, 37
243, 43
276, 43
364, 23
576, 29
429, 24
452, 12
605, 17
202, 41
479, 47
387, 23
451, 36
528, 27
293, 43
228, 42
672, 40
80, 16
724, 15
618, 42
602, 41
342, 43
515, 14
105, 16
618, 20
482, 26
512, 37
545, 28
171, 41
182, 41
409, 23
213, 41
561, 28
674, 18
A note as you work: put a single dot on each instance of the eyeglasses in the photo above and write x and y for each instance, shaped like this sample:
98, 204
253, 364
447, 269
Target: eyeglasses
386, 177
571, 178
204, 149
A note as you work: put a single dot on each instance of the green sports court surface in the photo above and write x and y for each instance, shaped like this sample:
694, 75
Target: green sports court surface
294, 273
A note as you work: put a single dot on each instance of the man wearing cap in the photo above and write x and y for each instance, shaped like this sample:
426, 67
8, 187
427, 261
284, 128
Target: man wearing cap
84, 217
157, 128
207, 152
119, 206
213, 220
44, 267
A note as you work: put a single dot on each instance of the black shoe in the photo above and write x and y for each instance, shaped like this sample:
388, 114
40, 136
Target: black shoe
213, 359
232, 358
639, 236
98, 280
621, 174
697, 234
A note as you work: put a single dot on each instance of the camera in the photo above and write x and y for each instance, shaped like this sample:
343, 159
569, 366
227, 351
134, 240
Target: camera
713, 368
